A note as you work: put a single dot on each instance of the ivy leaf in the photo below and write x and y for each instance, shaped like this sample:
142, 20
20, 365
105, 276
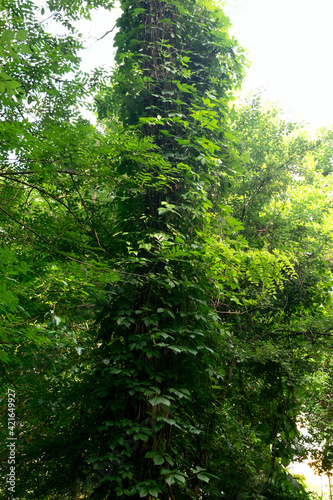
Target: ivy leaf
156, 456
203, 477
159, 400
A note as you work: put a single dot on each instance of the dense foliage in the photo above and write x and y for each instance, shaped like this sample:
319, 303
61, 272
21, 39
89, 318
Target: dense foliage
166, 310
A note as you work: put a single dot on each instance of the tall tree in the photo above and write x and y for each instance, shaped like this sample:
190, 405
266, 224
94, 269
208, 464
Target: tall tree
158, 332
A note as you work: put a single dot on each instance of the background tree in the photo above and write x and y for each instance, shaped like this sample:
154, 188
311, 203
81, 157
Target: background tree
290, 325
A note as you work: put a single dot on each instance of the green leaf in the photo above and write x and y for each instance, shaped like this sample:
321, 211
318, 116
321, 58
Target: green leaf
21, 35
25, 49
170, 479
12, 84
141, 437
143, 492
159, 400
181, 478
156, 456
8, 35
203, 477
154, 492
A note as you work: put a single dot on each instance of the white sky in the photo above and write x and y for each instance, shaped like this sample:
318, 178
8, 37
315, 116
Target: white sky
290, 44
99, 52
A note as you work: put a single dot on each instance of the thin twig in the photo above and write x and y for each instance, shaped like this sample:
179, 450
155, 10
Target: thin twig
105, 34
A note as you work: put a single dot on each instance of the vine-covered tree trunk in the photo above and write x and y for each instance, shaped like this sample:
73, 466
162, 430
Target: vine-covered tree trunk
158, 332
